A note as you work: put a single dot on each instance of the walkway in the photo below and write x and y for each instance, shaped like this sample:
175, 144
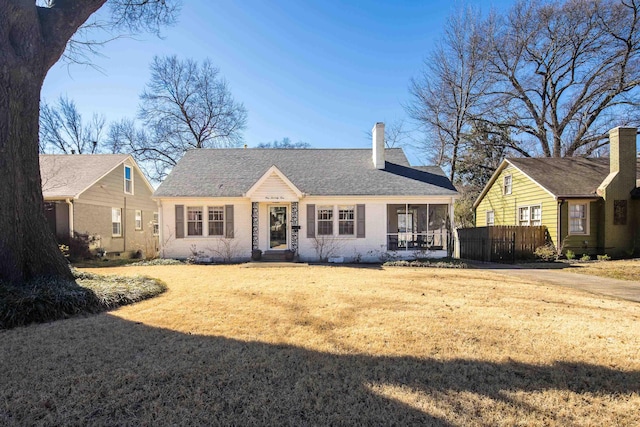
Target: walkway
623, 289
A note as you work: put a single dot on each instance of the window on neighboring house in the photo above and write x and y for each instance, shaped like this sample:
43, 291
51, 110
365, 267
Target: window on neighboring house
507, 184
116, 222
578, 218
216, 221
536, 215
523, 215
530, 215
325, 220
138, 220
490, 218
346, 220
194, 221
128, 180
156, 226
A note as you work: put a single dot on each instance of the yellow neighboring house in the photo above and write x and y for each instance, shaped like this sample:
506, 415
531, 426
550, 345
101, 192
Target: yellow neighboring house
589, 205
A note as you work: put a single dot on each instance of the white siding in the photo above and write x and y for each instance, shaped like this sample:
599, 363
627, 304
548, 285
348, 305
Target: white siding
368, 249
211, 246
274, 188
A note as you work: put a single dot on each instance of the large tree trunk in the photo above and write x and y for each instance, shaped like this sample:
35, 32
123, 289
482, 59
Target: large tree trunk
32, 39
27, 246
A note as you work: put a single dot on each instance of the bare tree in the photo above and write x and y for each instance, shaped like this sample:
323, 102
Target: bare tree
485, 147
565, 72
185, 105
284, 144
395, 134
449, 88
33, 37
62, 130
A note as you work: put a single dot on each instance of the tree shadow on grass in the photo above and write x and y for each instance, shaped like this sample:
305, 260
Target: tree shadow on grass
104, 370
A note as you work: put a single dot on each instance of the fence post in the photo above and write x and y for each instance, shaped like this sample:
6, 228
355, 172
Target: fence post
513, 248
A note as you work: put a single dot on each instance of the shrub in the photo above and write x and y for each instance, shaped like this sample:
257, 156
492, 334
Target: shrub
604, 257
65, 250
546, 253
449, 263
157, 261
570, 254
49, 299
77, 247
585, 257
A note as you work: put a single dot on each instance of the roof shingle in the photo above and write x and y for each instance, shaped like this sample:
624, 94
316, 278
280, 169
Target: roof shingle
328, 172
66, 176
567, 176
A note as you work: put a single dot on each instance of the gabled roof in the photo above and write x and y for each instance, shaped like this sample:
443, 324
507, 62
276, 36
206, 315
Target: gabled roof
326, 172
274, 172
562, 177
69, 175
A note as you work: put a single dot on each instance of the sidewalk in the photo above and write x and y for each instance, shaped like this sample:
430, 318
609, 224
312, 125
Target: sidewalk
623, 289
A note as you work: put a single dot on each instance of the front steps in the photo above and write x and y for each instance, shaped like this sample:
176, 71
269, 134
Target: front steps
274, 256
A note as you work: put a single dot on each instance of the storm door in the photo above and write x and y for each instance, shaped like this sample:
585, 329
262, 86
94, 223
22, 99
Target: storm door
278, 227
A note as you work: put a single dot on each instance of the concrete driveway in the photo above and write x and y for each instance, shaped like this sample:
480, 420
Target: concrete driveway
624, 289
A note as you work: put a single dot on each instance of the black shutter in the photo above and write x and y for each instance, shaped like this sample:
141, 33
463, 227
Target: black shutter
228, 221
360, 221
179, 221
311, 221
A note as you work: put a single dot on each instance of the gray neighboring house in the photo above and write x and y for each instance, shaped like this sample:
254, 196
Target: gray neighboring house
345, 204
104, 196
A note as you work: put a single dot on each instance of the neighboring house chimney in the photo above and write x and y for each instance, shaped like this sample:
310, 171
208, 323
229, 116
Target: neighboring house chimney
622, 157
378, 145
616, 191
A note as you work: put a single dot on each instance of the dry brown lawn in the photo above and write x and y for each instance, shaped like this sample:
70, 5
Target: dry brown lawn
623, 269
323, 345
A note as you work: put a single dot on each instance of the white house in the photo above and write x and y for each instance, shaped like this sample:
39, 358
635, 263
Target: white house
354, 204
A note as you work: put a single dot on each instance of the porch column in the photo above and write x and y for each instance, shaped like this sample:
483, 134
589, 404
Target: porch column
294, 228
255, 232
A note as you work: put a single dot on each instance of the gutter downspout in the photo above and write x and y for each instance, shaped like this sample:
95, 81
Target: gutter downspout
559, 224
70, 205
160, 232
124, 226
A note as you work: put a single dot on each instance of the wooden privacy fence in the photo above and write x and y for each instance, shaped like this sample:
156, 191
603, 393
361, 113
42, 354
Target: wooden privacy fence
502, 243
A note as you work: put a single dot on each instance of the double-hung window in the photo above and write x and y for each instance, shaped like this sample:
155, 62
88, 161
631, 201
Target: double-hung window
536, 215
138, 220
523, 215
194, 221
490, 218
156, 227
128, 180
507, 183
346, 220
216, 220
578, 218
325, 220
530, 215
116, 222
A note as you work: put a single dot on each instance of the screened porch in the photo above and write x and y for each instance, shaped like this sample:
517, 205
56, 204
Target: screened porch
417, 227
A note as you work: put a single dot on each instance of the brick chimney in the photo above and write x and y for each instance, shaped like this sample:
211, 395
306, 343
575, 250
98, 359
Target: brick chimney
622, 157
378, 145
616, 190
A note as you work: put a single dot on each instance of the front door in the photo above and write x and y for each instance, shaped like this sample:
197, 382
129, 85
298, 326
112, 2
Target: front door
278, 227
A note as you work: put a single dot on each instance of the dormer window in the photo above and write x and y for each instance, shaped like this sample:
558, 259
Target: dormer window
128, 180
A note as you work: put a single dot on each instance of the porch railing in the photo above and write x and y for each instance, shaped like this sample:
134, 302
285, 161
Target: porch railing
410, 241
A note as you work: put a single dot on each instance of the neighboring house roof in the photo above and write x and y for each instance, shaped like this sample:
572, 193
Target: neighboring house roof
69, 175
562, 177
335, 172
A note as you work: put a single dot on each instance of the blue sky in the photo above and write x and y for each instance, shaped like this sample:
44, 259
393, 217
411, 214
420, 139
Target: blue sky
322, 72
